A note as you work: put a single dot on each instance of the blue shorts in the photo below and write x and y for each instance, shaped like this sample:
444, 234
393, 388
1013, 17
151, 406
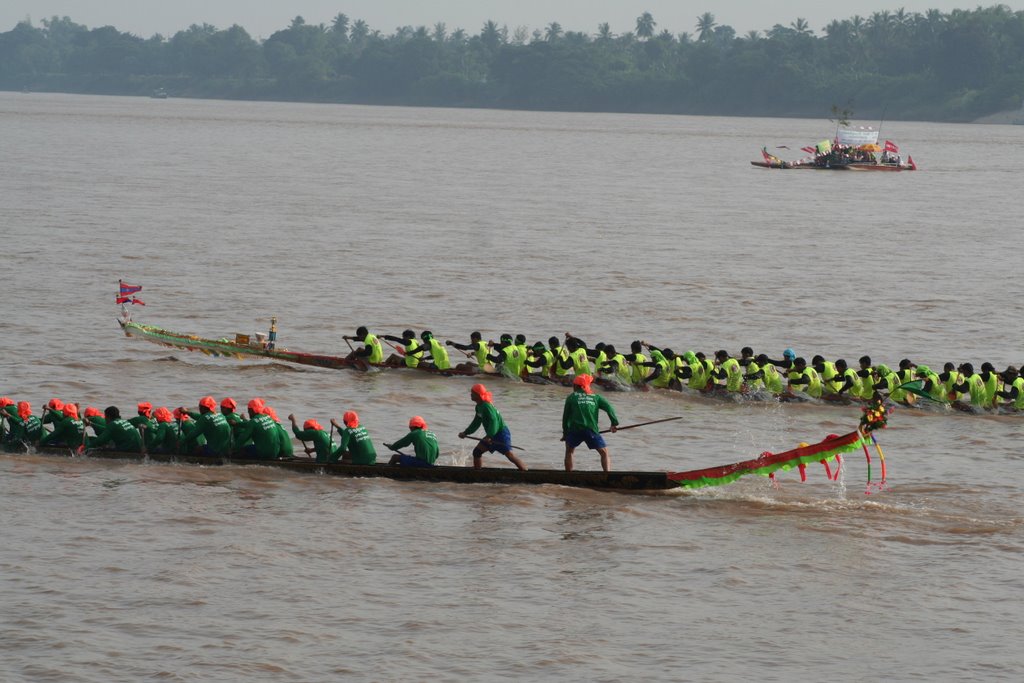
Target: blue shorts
412, 461
593, 439
499, 443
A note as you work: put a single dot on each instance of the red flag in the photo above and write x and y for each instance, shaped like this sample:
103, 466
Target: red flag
891, 147
809, 150
125, 291
766, 155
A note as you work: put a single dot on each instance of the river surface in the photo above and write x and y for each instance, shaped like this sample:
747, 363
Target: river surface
613, 227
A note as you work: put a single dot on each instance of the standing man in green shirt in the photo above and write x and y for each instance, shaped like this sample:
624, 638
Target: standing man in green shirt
497, 438
424, 442
579, 421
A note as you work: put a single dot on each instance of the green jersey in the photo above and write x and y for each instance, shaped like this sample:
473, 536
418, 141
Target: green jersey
122, 434
357, 441
66, 432
733, 375
264, 434
440, 355
164, 438
581, 412
376, 349
215, 429
488, 416
321, 442
424, 442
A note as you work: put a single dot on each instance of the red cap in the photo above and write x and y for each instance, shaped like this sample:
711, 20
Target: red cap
93, 412
70, 410
55, 404
146, 408
256, 406
583, 381
312, 424
229, 403
24, 409
6, 401
351, 419
209, 403
271, 413
162, 414
178, 414
481, 392
417, 421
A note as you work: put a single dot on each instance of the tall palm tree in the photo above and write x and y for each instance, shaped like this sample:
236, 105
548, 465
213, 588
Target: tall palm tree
490, 35
604, 32
360, 31
339, 25
440, 32
705, 26
753, 36
645, 24
802, 27
553, 32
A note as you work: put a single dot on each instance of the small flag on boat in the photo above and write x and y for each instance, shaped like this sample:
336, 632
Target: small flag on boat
891, 147
809, 150
125, 292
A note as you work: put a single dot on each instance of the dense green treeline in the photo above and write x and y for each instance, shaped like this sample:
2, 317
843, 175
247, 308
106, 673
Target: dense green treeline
932, 66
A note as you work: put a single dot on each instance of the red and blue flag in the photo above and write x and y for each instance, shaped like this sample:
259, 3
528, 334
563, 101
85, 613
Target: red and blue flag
125, 293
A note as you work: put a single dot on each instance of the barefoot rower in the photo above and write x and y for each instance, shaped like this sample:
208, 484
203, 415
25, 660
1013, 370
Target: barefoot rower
356, 446
580, 419
497, 438
424, 443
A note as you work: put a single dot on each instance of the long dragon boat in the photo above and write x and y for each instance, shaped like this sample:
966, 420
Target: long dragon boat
766, 464
241, 347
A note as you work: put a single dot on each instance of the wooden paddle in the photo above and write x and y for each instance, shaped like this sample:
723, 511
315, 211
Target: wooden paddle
641, 424
488, 439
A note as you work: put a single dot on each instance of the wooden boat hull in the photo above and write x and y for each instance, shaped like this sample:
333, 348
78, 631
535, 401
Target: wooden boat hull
611, 481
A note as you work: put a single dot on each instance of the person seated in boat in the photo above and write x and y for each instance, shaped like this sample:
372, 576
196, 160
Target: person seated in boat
746, 356
993, 383
507, 357
950, 377
94, 418
476, 348
539, 362
829, 373
616, 367
883, 380
1013, 389
636, 360
763, 371
579, 355
497, 438
370, 353
423, 441
117, 432
165, 437
285, 448
438, 354
311, 430
972, 385
5, 403
559, 369
788, 356
52, 412
228, 406
144, 419
408, 355
68, 431
211, 426
804, 379
25, 428
662, 365
580, 415
866, 375
261, 431
355, 446
728, 371
931, 384
846, 379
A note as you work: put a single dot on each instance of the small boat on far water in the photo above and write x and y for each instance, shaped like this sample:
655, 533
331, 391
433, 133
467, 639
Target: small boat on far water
159, 94
853, 149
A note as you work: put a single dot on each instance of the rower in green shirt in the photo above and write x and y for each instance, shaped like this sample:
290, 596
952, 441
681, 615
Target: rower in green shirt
497, 438
312, 431
476, 348
728, 369
263, 432
165, 437
356, 446
119, 432
212, 426
424, 443
409, 355
580, 421
371, 353
438, 354
67, 430
25, 428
